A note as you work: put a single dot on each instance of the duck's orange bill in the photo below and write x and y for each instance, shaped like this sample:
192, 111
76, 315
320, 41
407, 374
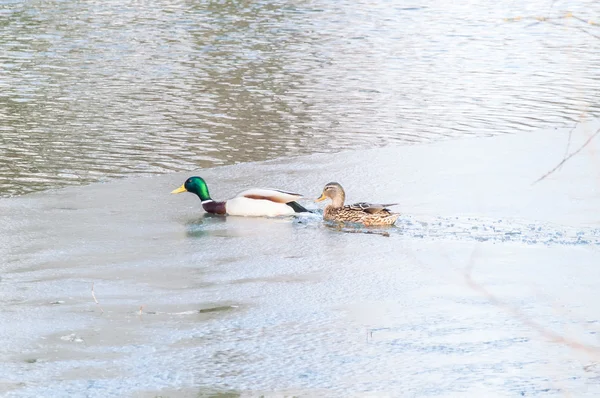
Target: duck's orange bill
179, 190
321, 198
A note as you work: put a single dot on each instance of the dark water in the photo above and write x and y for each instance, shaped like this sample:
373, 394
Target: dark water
103, 89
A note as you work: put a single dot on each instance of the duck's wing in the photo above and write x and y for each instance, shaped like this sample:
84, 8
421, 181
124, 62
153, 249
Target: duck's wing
371, 208
274, 195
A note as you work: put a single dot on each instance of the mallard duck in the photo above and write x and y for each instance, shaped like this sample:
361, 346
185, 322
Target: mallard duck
364, 213
253, 202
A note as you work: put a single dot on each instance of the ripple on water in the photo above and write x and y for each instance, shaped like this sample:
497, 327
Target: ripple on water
473, 229
175, 86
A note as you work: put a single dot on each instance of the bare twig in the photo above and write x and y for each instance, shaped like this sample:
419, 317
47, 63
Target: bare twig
579, 28
568, 157
581, 117
550, 335
569, 141
553, 21
94, 297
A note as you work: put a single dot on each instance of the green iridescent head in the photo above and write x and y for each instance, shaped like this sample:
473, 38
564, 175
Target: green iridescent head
195, 185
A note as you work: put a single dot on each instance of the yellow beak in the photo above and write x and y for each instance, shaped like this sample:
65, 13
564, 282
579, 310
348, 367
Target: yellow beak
321, 198
180, 189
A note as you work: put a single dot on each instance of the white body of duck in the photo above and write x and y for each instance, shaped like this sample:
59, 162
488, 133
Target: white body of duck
256, 202
261, 202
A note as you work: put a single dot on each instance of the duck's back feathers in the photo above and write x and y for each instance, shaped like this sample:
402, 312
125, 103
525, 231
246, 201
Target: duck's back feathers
371, 208
371, 215
273, 195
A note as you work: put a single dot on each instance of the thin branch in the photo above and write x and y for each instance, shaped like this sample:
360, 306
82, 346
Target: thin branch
569, 141
94, 297
550, 335
568, 157
581, 116
555, 21
579, 28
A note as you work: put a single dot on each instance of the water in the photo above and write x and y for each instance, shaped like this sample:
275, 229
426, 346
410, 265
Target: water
96, 90
486, 286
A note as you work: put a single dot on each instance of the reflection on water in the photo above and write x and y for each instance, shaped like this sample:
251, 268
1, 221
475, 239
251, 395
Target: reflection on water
103, 89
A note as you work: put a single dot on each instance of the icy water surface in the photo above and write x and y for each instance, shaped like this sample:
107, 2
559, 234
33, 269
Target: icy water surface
95, 90
193, 305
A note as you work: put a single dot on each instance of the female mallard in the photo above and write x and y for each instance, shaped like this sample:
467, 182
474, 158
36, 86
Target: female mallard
364, 213
253, 202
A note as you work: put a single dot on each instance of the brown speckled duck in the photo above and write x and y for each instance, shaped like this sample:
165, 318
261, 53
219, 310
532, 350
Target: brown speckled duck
368, 214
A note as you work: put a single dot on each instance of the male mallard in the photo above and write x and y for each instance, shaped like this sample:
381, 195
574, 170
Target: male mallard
253, 202
364, 213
